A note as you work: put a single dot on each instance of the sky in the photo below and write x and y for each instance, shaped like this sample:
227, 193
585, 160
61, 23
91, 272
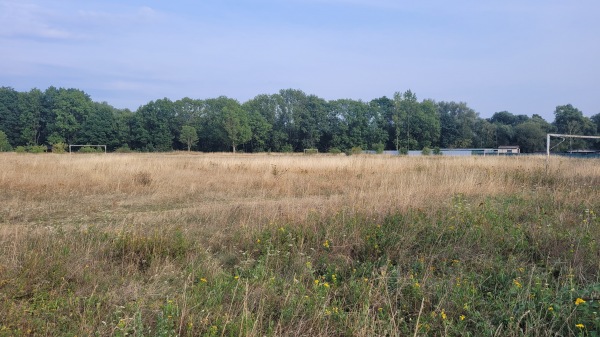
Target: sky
525, 57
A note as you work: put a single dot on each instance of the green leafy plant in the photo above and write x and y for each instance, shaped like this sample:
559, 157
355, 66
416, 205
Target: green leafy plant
59, 148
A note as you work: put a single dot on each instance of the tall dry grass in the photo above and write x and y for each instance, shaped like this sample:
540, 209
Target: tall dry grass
112, 238
247, 190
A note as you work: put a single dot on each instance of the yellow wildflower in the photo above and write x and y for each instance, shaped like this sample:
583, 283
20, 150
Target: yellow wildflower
326, 285
203, 280
316, 282
579, 301
580, 326
517, 283
326, 244
550, 309
462, 317
443, 315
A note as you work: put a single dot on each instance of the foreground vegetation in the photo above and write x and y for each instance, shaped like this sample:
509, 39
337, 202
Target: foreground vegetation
253, 245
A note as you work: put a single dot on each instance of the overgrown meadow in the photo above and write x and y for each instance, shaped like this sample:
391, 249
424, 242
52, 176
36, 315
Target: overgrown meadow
298, 245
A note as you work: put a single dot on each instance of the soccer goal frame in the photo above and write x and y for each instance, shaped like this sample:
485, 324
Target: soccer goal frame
89, 145
558, 135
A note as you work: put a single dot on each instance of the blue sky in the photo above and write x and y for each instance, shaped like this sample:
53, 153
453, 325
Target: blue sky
525, 57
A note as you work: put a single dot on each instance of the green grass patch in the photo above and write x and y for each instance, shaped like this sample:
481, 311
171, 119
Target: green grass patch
508, 266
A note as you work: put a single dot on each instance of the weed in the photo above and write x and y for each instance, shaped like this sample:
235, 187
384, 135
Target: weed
142, 178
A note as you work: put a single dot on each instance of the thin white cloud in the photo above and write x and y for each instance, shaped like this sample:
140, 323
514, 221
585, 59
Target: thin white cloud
121, 16
54, 21
30, 21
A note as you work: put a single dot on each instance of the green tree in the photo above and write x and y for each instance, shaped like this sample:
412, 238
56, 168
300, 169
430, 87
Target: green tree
71, 107
507, 118
123, 121
406, 106
188, 136
570, 120
236, 125
4, 143
100, 127
261, 132
531, 137
596, 120
153, 126
30, 104
383, 108
268, 131
9, 114
458, 122
426, 124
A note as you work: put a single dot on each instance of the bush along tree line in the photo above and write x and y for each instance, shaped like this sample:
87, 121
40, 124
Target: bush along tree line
287, 121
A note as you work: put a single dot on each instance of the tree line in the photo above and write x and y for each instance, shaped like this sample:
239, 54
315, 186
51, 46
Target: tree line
288, 121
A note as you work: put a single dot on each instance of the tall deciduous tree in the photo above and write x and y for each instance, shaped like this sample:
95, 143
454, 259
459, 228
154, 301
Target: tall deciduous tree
457, 124
68, 109
9, 114
30, 104
4, 144
406, 107
154, 124
384, 108
100, 127
236, 124
531, 137
570, 120
188, 136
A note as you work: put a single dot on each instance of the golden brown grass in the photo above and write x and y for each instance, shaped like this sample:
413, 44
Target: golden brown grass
249, 190
123, 233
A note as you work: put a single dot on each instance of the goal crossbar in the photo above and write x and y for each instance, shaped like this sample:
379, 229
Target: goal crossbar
563, 136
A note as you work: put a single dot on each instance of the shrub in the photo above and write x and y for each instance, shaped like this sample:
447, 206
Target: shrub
311, 151
20, 149
437, 151
287, 148
123, 149
356, 150
59, 148
403, 151
37, 148
335, 150
426, 151
4, 144
88, 149
379, 147
143, 178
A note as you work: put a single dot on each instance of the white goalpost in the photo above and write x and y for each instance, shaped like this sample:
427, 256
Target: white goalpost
88, 145
558, 135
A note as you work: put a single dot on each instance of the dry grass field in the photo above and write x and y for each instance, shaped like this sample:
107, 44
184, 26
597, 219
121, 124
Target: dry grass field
299, 245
